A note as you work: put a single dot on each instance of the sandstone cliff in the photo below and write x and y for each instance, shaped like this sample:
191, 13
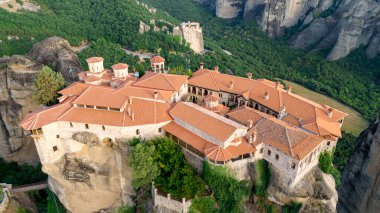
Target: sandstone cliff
93, 179
17, 75
360, 188
341, 26
58, 54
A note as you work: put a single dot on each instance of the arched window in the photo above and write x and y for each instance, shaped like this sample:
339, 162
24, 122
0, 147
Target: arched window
328, 143
293, 165
206, 92
86, 125
277, 157
269, 152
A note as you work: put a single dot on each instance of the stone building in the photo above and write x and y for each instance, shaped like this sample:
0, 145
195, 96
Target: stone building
191, 32
269, 122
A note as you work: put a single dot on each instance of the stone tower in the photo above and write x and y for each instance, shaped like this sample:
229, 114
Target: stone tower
192, 33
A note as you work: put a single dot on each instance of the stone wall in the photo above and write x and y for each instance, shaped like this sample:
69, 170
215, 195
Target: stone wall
166, 202
6, 193
192, 34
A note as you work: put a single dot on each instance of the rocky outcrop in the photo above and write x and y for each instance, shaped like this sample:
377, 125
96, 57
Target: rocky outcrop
341, 26
316, 191
360, 188
17, 75
57, 53
92, 179
191, 32
355, 23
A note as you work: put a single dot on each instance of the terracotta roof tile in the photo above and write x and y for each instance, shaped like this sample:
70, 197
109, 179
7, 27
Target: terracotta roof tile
120, 66
94, 59
161, 81
157, 59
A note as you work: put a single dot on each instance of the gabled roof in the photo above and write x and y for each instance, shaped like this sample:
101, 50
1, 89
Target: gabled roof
204, 120
140, 92
101, 96
162, 81
291, 140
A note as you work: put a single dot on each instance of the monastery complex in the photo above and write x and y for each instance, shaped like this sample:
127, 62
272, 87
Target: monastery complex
227, 120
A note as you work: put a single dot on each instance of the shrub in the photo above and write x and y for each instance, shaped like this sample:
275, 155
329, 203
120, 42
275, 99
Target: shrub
229, 192
125, 209
325, 162
292, 207
263, 175
203, 204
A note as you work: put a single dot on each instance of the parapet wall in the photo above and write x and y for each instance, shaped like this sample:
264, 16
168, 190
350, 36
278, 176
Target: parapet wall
167, 202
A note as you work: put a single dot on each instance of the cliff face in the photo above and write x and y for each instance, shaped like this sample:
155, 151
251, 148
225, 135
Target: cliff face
360, 188
341, 25
95, 178
17, 75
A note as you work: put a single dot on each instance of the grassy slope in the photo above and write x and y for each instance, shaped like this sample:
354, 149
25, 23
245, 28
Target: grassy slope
354, 123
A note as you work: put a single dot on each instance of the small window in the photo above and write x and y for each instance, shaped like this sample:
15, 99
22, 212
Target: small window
55, 148
328, 143
159, 130
293, 166
86, 125
220, 95
57, 136
137, 132
277, 157
261, 150
71, 125
104, 128
269, 152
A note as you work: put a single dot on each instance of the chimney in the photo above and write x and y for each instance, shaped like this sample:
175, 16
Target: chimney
130, 100
266, 96
216, 69
250, 124
249, 75
133, 116
330, 112
231, 84
201, 65
155, 95
252, 137
277, 84
289, 89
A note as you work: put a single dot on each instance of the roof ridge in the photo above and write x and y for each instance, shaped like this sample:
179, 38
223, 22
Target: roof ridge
213, 79
166, 78
288, 139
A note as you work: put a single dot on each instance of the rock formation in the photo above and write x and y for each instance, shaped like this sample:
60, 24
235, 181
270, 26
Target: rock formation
360, 188
192, 34
316, 191
341, 26
17, 75
57, 53
92, 179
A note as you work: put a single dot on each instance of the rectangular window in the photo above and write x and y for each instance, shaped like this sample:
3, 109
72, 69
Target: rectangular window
55, 148
277, 157
57, 136
71, 125
86, 125
220, 95
102, 108
114, 109
269, 152
80, 105
159, 130
137, 132
90, 106
104, 128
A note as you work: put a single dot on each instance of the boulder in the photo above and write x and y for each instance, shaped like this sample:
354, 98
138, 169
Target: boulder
57, 53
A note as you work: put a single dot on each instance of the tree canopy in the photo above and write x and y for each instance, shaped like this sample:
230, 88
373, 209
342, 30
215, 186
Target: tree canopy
47, 84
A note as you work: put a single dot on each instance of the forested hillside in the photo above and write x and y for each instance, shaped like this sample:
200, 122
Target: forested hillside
351, 80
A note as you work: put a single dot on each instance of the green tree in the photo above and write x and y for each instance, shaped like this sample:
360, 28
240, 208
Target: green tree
325, 162
47, 83
203, 204
145, 168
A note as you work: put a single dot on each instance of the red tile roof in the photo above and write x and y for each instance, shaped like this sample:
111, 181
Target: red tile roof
94, 59
157, 59
120, 66
162, 81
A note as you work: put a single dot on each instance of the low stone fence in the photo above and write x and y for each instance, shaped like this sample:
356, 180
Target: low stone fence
5, 190
169, 203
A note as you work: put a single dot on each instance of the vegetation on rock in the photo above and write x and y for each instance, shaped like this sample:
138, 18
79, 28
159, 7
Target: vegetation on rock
170, 170
203, 204
15, 174
229, 192
262, 179
47, 83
